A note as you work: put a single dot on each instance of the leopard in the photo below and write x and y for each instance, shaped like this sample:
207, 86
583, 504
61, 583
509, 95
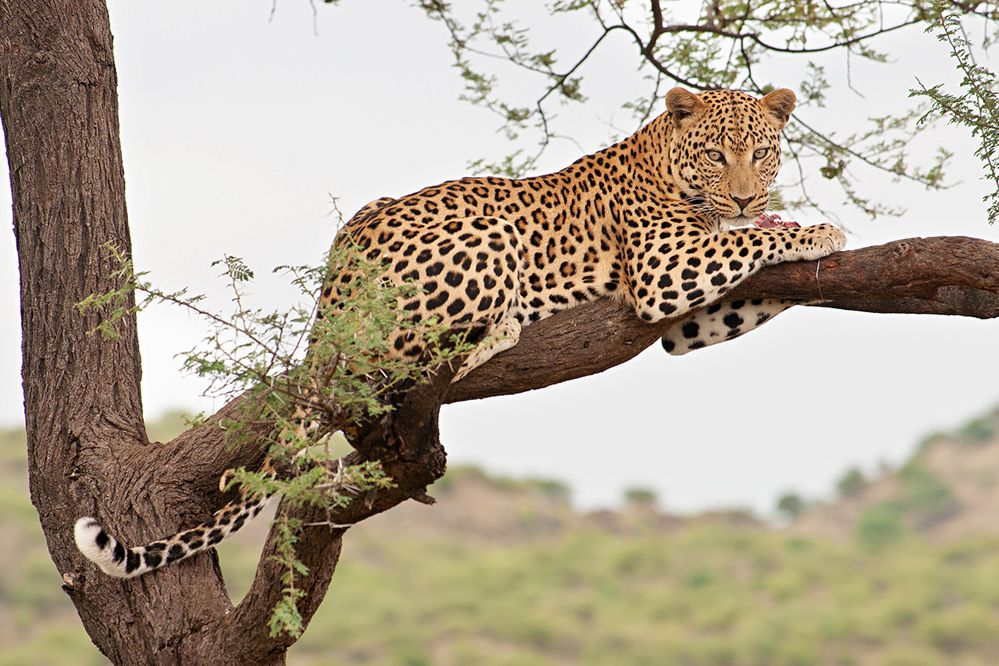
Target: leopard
661, 220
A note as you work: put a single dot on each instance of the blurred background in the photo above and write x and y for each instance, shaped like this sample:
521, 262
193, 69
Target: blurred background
803, 515
899, 567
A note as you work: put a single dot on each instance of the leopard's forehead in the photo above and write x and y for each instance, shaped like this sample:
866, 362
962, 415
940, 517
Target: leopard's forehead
733, 119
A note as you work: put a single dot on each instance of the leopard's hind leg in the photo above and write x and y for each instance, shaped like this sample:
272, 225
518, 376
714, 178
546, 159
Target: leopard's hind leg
499, 337
721, 321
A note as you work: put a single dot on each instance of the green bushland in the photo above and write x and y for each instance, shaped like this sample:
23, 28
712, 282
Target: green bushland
921, 500
708, 594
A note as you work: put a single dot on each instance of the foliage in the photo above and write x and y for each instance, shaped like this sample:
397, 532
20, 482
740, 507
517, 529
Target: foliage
727, 43
791, 505
881, 524
920, 500
851, 483
977, 106
304, 373
979, 430
922, 491
640, 497
286, 618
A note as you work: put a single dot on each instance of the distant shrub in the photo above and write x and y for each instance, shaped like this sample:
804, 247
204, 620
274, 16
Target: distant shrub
880, 524
790, 505
641, 497
979, 431
700, 578
851, 483
555, 490
960, 629
923, 492
640, 558
798, 544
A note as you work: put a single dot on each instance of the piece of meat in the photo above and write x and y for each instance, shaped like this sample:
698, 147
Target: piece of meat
772, 220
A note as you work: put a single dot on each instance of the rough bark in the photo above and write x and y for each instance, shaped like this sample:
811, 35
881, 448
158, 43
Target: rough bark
83, 412
88, 452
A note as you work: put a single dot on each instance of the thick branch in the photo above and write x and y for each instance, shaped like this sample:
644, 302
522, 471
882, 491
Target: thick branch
946, 275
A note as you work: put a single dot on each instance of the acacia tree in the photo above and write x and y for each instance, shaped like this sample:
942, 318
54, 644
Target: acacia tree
731, 44
87, 446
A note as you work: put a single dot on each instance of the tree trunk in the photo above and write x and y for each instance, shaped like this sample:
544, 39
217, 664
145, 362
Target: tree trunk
83, 411
87, 448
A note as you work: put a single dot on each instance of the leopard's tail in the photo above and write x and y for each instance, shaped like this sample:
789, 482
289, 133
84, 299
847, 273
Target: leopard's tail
119, 561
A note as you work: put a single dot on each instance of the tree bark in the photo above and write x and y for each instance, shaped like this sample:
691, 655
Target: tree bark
88, 450
83, 412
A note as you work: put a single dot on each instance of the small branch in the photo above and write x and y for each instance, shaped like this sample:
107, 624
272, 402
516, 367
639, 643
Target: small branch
755, 37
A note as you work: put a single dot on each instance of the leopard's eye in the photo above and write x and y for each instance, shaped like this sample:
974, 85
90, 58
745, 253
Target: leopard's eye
716, 156
760, 153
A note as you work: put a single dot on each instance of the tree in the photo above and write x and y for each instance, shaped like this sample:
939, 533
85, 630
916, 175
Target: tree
851, 483
790, 505
83, 409
640, 498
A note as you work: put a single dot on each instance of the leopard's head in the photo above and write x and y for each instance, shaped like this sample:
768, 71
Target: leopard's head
725, 148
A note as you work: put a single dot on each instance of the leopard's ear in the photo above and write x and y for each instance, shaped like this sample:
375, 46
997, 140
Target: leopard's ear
683, 106
780, 103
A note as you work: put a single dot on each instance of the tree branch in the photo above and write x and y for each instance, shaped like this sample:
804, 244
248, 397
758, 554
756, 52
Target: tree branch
941, 275
945, 275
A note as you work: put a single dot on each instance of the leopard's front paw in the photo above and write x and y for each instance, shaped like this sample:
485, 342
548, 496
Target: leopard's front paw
821, 240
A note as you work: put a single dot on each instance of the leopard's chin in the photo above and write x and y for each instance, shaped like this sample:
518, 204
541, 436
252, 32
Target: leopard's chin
726, 223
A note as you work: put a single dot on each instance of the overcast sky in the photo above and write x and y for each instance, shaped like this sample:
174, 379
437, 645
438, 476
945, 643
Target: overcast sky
236, 130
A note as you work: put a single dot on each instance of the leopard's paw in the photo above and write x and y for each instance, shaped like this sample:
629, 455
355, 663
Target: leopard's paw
820, 241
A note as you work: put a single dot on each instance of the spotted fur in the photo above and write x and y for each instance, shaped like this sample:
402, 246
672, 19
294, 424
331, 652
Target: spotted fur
721, 321
116, 559
652, 220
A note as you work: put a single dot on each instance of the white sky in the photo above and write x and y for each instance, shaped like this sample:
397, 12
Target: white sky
236, 131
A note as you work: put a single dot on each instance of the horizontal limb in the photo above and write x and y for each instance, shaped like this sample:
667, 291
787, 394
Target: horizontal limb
941, 275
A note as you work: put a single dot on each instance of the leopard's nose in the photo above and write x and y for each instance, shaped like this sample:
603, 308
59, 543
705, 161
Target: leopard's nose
743, 202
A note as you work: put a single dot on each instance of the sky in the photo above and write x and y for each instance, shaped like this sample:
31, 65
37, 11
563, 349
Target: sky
238, 128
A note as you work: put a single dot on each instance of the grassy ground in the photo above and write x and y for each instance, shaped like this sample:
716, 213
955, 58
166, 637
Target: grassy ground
582, 592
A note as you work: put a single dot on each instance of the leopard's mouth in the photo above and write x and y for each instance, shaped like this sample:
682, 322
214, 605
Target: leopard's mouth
730, 215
